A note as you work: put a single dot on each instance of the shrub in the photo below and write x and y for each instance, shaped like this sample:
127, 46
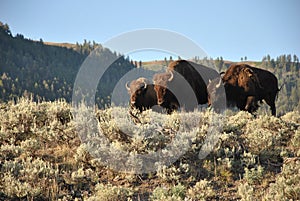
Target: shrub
109, 192
295, 143
28, 177
174, 193
286, 186
246, 192
202, 190
254, 175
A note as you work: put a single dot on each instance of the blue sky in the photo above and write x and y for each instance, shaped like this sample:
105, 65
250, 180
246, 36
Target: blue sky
231, 28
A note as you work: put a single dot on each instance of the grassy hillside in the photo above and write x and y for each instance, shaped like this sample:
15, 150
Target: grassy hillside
154, 65
42, 156
67, 45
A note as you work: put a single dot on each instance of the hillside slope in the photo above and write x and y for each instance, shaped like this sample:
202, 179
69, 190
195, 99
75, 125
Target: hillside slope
48, 70
44, 157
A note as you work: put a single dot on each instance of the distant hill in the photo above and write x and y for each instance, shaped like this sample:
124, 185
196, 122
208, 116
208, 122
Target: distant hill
47, 70
67, 45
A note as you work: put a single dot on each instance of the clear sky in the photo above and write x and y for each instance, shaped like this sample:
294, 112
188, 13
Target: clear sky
228, 28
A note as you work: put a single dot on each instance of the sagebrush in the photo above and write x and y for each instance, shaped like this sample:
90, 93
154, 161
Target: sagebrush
43, 157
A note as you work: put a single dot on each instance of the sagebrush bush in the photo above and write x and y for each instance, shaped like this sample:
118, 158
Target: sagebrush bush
236, 122
174, 193
254, 175
202, 190
109, 192
263, 133
25, 178
286, 186
246, 192
293, 116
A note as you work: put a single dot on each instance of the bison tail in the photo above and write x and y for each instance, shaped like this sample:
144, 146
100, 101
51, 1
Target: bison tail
280, 87
278, 91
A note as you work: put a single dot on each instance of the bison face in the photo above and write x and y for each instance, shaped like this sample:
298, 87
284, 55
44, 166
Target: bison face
160, 93
137, 90
137, 95
215, 91
161, 82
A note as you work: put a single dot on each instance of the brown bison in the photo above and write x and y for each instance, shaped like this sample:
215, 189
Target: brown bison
142, 94
174, 79
245, 86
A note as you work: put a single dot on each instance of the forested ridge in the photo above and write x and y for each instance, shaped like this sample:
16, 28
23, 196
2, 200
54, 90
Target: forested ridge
48, 72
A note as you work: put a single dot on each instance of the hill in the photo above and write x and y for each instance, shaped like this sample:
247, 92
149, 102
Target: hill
43, 156
67, 45
47, 71
49, 153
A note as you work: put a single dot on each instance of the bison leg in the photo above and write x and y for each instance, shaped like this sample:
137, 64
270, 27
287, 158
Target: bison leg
270, 100
241, 103
251, 104
273, 108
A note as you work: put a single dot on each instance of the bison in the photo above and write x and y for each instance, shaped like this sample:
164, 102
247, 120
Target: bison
196, 75
142, 94
245, 86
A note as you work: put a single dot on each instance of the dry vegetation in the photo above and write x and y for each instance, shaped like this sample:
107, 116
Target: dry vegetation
67, 45
42, 157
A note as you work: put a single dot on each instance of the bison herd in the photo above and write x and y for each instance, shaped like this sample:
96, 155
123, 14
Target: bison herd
186, 85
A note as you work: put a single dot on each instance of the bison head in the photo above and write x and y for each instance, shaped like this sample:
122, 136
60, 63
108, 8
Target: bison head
213, 88
136, 90
165, 97
216, 94
161, 86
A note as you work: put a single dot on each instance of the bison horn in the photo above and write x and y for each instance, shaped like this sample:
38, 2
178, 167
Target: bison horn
145, 84
209, 81
219, 84
172, 76
127, 87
